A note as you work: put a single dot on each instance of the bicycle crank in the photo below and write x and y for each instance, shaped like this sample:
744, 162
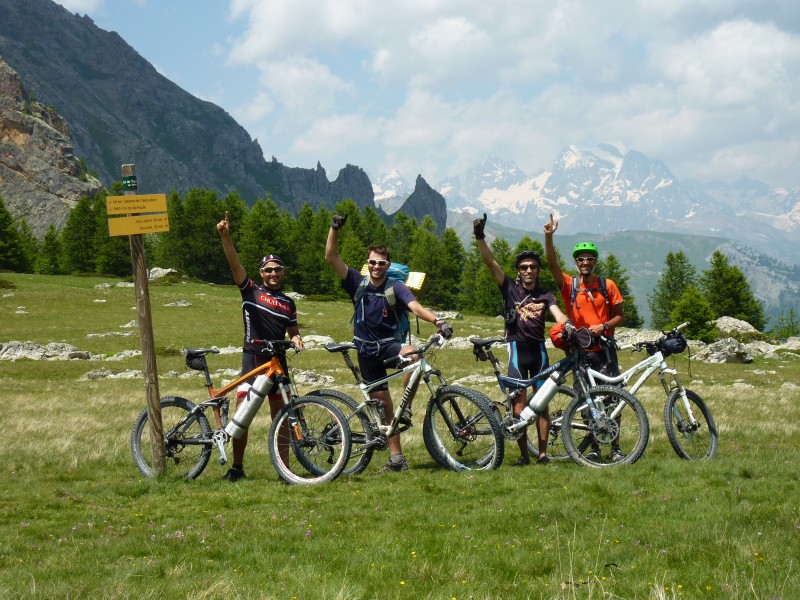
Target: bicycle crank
221, 437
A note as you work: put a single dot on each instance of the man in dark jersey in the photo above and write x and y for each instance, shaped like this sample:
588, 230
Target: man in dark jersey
376, 324
525, 304
268, 315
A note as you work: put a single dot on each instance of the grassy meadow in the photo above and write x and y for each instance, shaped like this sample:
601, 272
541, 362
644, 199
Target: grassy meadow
78, 521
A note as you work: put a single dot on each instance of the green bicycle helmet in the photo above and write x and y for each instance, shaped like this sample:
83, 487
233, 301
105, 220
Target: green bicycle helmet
585, 247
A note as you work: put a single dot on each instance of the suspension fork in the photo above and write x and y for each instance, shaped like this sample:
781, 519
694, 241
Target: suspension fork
683, 396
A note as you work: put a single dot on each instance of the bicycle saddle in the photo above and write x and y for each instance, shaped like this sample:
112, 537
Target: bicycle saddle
486, 342
195, 352
340, 347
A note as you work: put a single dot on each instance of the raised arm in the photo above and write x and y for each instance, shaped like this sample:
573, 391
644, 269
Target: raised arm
332, 247
224, 230
550, 252
497, 271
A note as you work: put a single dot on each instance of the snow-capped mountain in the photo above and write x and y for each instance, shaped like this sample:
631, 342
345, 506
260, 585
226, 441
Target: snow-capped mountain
391, 190
603, 190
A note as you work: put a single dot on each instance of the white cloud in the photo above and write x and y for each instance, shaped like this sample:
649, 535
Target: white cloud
433, 86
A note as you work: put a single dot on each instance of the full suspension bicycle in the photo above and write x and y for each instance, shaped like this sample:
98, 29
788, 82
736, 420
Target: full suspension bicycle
602, 425
460, 429
510, 387
309, 439
690, 427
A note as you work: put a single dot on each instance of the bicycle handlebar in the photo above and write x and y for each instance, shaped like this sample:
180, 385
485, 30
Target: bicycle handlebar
639, 346
276, 345
436, 338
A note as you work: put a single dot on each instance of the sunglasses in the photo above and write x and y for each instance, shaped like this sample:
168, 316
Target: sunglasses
527, 267
377, 263
588, 259
271, 269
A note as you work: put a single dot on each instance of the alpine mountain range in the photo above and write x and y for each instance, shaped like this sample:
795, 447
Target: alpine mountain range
635, 207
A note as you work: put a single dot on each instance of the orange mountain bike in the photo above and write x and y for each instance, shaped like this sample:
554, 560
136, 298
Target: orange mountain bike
309, 439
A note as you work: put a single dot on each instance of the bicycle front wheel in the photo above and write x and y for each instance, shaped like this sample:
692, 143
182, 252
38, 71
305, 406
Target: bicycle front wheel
360, 429
187, 440
461, 431
309, 441
690, 427
555, 439
617, 435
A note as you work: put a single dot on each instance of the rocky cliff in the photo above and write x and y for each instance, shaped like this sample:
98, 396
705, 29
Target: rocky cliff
40, 177
425, 200
121, 110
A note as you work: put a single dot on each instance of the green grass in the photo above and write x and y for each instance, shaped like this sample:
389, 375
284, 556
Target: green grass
77, 520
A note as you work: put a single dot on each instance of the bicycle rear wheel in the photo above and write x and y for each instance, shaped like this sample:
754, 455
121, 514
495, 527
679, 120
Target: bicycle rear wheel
309, 441
690, 440
606, 441
555, 440
187, 440
360, 429
461, 431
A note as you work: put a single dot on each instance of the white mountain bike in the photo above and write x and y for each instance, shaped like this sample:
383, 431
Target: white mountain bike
690, 427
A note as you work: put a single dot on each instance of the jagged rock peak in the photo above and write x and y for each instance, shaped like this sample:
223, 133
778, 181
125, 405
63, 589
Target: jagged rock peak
40, 177
426, 201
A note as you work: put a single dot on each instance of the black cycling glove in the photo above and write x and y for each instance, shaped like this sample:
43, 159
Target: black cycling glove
338, 221
445, 329
477, 227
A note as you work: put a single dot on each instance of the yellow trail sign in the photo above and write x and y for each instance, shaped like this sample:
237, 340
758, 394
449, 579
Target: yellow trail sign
138, 224
143, 203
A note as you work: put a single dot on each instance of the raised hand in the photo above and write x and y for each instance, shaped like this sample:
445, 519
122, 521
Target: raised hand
477, 227
224, 226
550, 228
338, 221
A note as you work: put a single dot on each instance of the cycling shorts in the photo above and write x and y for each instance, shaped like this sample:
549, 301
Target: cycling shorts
526, 360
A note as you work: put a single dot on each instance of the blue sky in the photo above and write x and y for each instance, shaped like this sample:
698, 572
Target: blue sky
433, 87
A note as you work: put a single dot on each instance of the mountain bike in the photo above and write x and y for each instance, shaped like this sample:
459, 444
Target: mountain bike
597, 418
309, 440
690, 426
510, 387
460, 429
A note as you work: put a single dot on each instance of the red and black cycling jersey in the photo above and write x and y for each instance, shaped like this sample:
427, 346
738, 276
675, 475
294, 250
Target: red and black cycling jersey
267, 314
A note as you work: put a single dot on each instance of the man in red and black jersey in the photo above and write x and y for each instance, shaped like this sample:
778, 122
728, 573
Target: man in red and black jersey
268, 315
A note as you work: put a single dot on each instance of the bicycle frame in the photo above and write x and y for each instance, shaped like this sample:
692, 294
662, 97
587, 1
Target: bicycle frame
420, 370
571, 362
649, 365
271, 369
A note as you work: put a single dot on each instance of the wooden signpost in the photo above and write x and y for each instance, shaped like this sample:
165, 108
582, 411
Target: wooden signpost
144, 214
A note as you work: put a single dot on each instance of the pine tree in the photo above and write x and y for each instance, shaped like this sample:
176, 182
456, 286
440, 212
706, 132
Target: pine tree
259, 233
169, 251
787, 326
12, 250
201, 252
692, 307
77, 238
48, 260
401, 237
452, 266
728, 292
29, 245
478, 291
112, 255
678, 275
616, 273
427, 258
373, 229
